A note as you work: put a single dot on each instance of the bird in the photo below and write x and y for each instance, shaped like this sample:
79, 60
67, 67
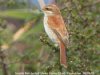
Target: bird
56, 30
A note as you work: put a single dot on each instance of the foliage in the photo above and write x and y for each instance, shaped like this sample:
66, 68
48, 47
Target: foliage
84, 40
16, 14
12, 4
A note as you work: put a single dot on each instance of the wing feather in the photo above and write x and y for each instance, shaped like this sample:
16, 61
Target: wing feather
57, 25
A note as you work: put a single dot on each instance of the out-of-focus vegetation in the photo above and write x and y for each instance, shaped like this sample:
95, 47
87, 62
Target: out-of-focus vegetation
29, 54
19, 14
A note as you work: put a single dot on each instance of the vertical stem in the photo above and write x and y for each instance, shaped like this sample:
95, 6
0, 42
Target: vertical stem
4, 68
3, 64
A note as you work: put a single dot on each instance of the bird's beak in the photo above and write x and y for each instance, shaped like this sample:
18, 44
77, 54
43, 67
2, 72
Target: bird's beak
43, 9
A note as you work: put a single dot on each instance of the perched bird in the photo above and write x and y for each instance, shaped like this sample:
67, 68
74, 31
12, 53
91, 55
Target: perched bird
56, 30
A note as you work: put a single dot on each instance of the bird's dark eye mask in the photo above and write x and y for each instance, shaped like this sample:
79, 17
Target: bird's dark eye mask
49, 9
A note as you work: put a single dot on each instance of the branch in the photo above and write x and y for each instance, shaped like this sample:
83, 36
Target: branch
44, 40
22, 30
19, 33
42, 3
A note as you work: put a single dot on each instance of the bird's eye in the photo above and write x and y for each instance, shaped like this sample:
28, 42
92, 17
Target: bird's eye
47, 8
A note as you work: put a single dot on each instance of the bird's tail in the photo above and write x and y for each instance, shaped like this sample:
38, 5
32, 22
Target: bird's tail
63, 61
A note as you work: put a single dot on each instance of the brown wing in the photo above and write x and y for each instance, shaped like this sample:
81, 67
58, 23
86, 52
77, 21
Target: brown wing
57, 25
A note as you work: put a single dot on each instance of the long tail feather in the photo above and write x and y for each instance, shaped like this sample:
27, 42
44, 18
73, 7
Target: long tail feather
63, 60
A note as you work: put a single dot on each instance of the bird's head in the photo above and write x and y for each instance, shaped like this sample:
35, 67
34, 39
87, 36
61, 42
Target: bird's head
50, 10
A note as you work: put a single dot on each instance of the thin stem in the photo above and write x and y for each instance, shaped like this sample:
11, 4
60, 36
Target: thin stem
3, 64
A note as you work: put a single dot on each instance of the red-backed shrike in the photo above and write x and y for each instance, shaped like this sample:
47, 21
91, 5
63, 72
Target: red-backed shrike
56, 30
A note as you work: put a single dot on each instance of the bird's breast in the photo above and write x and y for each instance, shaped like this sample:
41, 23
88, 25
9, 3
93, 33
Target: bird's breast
49, 31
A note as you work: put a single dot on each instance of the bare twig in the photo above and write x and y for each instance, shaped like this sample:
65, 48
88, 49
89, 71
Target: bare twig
19, 33
41, 2
22, 30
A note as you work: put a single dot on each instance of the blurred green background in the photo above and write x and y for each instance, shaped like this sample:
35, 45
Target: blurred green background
34, 52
